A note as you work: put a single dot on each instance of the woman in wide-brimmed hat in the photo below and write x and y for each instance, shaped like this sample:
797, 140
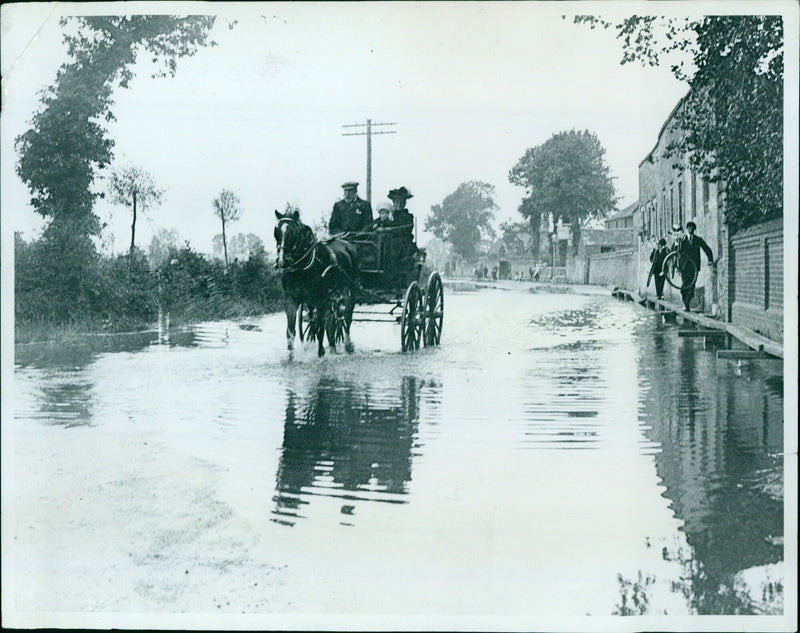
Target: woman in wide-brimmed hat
402, 217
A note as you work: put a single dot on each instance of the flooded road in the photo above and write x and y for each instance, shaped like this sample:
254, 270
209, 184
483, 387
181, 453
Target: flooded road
559, 455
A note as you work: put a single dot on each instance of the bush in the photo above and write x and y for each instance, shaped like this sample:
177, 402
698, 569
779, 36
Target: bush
63, 282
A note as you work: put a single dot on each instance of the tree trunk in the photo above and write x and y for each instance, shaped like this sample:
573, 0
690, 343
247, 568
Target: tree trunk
133, 233
224, 243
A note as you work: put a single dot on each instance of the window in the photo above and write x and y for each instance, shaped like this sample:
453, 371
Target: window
705, 195
653, 219
656, 218
672, 204
693, 208
680, 202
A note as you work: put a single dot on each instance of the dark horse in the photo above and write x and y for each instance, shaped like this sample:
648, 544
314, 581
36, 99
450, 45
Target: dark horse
319, 275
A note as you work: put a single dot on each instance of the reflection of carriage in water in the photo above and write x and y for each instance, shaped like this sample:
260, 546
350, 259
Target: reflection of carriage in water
389, 274
345, 444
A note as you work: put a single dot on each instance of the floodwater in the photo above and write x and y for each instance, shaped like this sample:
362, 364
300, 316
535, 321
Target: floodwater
558, 455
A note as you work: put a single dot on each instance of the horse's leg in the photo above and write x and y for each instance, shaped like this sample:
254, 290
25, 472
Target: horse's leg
290, 305
320, 329
331, 314
348, 344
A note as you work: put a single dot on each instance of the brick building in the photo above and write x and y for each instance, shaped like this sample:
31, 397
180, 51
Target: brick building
671, 193
745, 287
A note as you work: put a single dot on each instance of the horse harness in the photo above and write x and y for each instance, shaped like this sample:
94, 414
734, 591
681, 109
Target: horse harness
298, 265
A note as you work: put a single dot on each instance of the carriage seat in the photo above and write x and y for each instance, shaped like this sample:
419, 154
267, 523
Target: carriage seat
384, 250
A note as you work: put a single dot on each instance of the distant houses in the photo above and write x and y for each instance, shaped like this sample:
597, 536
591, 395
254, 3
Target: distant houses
622, 219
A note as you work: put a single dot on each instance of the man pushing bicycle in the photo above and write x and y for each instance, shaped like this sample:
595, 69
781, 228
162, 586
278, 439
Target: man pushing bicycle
688, 249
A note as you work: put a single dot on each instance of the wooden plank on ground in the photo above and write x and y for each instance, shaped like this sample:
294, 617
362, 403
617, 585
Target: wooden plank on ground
756, 341
743, 354
702, 333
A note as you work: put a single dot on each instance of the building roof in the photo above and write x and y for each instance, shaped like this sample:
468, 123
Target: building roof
624, 213
664, 126
607, 237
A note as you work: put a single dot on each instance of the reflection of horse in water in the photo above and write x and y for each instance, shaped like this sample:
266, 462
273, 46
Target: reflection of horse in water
341, 441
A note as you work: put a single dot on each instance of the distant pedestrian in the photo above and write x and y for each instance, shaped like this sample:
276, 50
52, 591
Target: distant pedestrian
530, 274
536, 274
689, 248
494, 273
486, 272
657, 257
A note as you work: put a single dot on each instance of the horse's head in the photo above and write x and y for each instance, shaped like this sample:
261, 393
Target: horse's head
292, 237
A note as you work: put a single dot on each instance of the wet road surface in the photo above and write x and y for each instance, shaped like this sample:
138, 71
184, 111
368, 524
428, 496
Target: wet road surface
558, 455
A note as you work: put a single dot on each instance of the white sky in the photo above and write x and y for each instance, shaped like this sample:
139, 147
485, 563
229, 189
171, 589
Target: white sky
471, 86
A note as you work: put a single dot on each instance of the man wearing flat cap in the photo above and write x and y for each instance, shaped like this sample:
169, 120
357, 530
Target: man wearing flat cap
351, 214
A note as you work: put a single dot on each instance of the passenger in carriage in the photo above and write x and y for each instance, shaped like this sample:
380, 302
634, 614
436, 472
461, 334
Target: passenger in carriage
402, 218
385, 219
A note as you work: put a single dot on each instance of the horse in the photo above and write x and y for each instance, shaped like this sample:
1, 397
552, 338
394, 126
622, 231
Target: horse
320, 275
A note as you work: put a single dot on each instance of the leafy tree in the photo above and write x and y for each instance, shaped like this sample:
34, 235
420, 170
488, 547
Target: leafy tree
513, 238
566, 176
464, 217
163, 242
528, 209
135, 188
732, 117
67, 143
241, 246
227, 208
438, 252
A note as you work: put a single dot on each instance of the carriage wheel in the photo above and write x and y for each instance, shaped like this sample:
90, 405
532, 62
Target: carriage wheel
337, 315
434, 310
413, 318
305, 321
680, 272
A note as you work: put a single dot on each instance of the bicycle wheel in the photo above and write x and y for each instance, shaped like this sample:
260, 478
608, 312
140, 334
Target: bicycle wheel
680, 272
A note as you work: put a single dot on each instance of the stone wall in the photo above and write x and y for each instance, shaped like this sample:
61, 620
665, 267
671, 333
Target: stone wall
613, 269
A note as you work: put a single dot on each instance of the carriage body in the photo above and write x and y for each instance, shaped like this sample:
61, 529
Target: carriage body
388, 261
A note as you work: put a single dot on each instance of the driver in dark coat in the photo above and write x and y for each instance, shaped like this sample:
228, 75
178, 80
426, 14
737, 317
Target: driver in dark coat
351, 214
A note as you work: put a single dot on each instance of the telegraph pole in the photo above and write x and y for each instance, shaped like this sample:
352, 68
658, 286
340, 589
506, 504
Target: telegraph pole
367, 130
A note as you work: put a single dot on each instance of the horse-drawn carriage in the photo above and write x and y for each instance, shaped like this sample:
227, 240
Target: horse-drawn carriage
329, 284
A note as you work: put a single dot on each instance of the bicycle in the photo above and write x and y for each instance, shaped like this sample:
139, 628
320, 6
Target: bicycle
678, 268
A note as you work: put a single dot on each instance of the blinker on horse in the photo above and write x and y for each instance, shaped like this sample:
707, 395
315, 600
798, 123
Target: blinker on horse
319, 275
